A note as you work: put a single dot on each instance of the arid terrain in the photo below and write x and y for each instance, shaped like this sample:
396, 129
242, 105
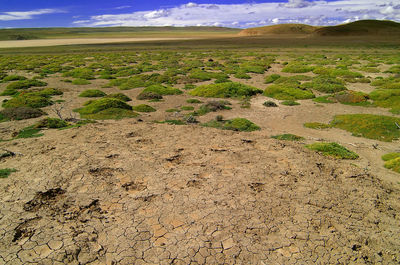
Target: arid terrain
145, 190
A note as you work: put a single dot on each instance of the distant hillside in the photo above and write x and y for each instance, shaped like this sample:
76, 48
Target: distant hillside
279, 29
111, 32
361, 27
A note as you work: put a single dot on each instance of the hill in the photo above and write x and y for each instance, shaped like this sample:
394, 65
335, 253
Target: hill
279, 29
111, 32
361, 27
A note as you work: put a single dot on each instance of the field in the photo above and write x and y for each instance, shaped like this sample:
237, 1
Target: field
228, 150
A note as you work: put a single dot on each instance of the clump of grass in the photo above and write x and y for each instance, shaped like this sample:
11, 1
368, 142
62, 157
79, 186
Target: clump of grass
6, 172
288, 137
378, 127
387, 98
29, 132
390, 156
271, 78
162, 90
92, 93
336, 72
189, 86
80, 82
236, 124
225, 90
242, 75
393, 164
297, 68
287, 92
193, 101
25, 84
119, 96
174, 122
106, 108
13, 78
51, 123
324, 99
20, 113
317, 125
31, 100
143, 108
290, 103
81, 73
187, 108
333, 150
325, 84
212, 106
270, 104
149, 96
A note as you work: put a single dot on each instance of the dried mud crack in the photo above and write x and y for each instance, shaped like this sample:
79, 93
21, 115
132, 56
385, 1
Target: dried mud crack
166, 194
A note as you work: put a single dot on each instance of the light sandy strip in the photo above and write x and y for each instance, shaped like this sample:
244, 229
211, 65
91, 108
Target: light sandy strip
56, 42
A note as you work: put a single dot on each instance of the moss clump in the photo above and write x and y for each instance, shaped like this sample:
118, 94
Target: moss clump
378, 127
390, 156
297, 68
20, 113
29, 132
212, 106
161, 90
323, 99
354, 98
119, 96
187, 108
111, 114
143, 108
387, 98
92, 93
13, 78
80, 82
225, 90
51, 123
242, 75
290, 103
6, 172
98, 105
270, 104
25, 84
48, 92
81, 73
31, 100
288, 137
333, 150
325, 84
287, 92
336, 72
271, 78
149, 96
317, 125
193, 101
393, 164
237, 124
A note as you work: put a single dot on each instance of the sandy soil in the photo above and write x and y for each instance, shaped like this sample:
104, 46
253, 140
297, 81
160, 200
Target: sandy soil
57, 42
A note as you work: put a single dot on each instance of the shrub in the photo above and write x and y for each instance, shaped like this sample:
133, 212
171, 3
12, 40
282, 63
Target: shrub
390, 156
271, 78
333, 72
378, 127
316, 125
325, 84
290, 103
51, 123
98, 105
332, 149
225, 90
92, 93
149, 96
212, 106
28, 100
20, 113
270, 104
119, 96
393, 164
287, 92
287, 137
143, 108
6, 172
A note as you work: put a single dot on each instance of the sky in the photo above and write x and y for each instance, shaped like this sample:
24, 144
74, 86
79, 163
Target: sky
227, 13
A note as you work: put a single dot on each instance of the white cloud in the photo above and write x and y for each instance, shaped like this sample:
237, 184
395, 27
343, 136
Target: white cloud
22, 15
254, 14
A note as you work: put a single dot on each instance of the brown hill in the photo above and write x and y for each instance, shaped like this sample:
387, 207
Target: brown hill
361, 27
279, 29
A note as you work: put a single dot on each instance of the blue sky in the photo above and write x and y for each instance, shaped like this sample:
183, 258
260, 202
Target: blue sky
229, 13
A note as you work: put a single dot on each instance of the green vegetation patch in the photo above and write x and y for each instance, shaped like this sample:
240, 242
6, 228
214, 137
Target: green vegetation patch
271, 78
297, 68
269, 104
225, 90
325, 84
288, 137
20, 113
393, 164
212, 106
80, 73
378, 127
193, 101
287, 92
390, 156
290, 103
161, 90
80, 82
236, 124
92, 93
387, 98
6, 172
29, 132
317, 125
111, 114
106, 108
31, 100
333, 150
324, 99
187, 108
13, 78
51, 123
143, 108
354, 98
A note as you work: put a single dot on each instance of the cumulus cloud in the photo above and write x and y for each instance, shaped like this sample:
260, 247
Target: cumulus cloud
22, 15
254, 14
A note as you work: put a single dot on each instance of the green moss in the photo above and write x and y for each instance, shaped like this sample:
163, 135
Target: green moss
162, 90
29, 132
386, 98
119, 96
173, 110
317, 125
290, 103
143, 108
28, 100
6, 172
81, 73
48, 92
25, 84
92, 93
193, 101
51, 123
111, 114
271, 78
323, 99
390, 156
333, 150
378, 127
288, 137
237, 124
287, 92
13, 78
212, 106
334, 72
20, 113
205, 76
80, 82
297, 68
187, 108
225, 90
393, 164
325, 84
102, 104
242, 75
